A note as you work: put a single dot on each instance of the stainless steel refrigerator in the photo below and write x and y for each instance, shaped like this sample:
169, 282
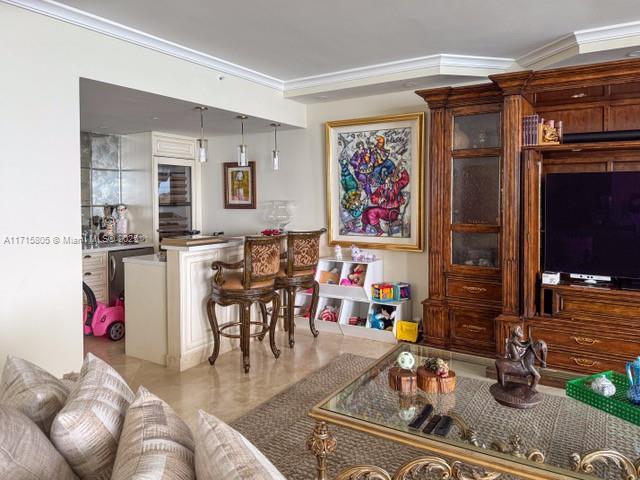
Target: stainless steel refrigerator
116, 270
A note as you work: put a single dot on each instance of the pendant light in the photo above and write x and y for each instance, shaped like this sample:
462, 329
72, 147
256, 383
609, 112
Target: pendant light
243, 160
202, 143
275, 153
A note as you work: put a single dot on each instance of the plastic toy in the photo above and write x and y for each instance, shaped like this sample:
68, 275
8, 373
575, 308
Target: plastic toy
331, 277
358, 255
382, 292
329, 314
356, 277
383, 319
402, 291
407, 331
100, 319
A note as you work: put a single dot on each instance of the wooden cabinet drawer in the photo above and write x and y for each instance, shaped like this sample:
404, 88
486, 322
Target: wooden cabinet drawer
584, 342
476, 326
579, 362
175, 147
92, 261
580, 306
570, 95
95, 276
474, 289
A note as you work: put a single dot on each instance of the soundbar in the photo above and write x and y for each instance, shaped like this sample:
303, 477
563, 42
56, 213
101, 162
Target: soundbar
615, 136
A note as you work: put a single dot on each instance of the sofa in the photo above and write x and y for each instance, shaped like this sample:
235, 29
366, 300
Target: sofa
93, 427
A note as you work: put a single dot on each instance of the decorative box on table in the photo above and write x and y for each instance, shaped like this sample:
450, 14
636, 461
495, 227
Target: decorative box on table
429, 382
403, 380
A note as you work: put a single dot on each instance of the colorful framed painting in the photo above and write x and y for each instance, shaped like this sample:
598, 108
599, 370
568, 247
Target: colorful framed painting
375, 182
239, 185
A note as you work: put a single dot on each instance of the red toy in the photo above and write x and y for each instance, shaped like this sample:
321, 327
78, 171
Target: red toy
100, 319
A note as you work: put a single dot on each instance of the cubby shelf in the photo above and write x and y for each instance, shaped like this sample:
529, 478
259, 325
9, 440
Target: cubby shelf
350, 301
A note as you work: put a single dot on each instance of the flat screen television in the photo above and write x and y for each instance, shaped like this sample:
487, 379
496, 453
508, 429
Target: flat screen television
592, 223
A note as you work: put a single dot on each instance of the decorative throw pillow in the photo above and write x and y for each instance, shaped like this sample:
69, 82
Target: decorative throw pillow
33, 391
155, 443
222, 452
25, 452
87, 429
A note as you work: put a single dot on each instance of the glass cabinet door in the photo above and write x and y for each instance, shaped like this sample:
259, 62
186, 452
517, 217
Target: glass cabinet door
477, 249
476, 131
476, 191
174, 200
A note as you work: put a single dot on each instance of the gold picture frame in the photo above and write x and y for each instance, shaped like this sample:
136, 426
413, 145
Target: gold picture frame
375, 182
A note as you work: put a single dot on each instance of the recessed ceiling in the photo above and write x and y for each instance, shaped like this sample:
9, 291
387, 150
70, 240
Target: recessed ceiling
289, 39
107, 108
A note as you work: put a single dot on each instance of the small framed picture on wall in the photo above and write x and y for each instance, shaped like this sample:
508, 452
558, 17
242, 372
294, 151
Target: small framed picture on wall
239, 185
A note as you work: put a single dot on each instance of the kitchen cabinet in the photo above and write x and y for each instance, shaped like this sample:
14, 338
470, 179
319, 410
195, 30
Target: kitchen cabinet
95, 274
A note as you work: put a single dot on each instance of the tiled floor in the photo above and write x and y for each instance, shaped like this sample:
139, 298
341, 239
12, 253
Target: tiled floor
227, 392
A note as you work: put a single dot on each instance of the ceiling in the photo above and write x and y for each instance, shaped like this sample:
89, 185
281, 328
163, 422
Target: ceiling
289, 39
317, 50
107, 108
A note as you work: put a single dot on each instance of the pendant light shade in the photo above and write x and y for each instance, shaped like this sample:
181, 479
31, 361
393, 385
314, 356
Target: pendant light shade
243, 160
275, 153
202, 144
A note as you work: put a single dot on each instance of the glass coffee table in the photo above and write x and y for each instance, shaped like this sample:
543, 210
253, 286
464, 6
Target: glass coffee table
560, 438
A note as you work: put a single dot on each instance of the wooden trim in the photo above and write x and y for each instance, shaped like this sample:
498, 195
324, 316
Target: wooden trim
577, 147
510, 201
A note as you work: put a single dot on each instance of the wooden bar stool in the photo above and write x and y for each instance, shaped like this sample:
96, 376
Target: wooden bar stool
254, 283
298, 272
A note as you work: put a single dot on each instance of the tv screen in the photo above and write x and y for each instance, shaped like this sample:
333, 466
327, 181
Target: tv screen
592, 223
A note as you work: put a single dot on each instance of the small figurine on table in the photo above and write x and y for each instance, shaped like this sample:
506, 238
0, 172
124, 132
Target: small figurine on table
122, 223
519, 362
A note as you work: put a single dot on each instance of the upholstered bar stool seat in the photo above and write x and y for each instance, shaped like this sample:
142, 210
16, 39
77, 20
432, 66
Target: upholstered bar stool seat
297, 273
251, 281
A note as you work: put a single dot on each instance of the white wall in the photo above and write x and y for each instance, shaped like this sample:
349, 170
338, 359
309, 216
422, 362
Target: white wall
302, 178
42, 60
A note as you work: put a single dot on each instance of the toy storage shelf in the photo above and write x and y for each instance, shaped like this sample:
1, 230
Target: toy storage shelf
351, 301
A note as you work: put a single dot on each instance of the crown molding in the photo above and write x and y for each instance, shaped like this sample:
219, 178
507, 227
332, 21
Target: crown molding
548, 53
438, 63
566, 47
611, 32
98, 24
580, 41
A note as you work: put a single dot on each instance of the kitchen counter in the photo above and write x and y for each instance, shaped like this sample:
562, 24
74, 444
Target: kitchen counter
117, 246
165, 307
228, 242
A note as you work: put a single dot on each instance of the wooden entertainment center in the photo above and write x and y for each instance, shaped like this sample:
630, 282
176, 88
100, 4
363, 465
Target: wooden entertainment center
485, 250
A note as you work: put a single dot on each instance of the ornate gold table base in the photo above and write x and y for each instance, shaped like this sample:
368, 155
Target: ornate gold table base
322, 443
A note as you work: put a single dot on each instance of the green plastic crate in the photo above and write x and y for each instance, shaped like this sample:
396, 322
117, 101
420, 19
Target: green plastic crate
617, 405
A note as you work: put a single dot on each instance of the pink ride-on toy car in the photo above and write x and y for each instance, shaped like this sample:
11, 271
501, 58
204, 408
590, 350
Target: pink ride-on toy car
99, 319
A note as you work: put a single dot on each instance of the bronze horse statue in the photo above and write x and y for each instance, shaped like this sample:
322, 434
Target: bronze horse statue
525, 366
